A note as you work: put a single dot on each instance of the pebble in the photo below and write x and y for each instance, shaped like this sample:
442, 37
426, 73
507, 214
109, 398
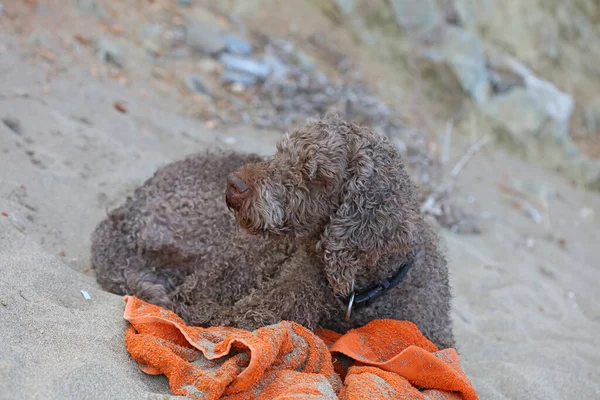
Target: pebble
236, 45
228, 140
400, 145
304, 61
208, 65
13, 124
279, 69
85, 295
109, 52
238, 88
488, 215
195, 84
93, 7
530, 242
152, 37
586, 213
245, 65
532, 213
205, 38
185, 3
236, 77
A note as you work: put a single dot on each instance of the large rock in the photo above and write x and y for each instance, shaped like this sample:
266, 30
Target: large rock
461, 52
204, 37
532, 117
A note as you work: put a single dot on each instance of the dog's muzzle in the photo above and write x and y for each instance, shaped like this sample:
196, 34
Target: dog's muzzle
236, 192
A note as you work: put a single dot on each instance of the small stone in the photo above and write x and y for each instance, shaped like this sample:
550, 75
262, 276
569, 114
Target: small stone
13, 124
208, 65
487, 215
205, 38
153, 38
185, 3
109, 52
94, 8
586, 213
228, 140
238, 88
195, 85
304, 61
416, 15
85, 295
236, 77
532, 213
279, 69
400, 145
236, 45
245, 65
530, 242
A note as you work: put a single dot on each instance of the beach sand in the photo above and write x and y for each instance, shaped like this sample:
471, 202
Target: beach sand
526, 300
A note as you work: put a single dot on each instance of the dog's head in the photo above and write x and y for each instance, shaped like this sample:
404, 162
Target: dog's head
294, 192
339, 182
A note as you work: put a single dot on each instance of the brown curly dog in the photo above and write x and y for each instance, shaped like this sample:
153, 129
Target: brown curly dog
334, 219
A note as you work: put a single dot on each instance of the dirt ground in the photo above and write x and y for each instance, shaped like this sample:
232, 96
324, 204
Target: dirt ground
82, 134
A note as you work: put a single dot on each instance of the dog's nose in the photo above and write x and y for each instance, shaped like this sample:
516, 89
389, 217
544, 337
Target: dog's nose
236, 192
236, 184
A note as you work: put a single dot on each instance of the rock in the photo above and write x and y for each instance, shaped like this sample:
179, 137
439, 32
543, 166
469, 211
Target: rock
238, 77
591, 117
416, 16
346, 6
238, 88
474, 13
236, 45
205, 37
13, 124
461, 52
400, 145
304, 61
279, 69
195, 84
93, 8
109, 52
228, 140
533, 121
185, 3
245, 65
153, 34
208, 65
528, 107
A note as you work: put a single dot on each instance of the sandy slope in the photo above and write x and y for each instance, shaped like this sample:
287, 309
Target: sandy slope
526, 317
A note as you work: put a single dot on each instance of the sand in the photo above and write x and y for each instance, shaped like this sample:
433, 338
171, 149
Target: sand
526, 295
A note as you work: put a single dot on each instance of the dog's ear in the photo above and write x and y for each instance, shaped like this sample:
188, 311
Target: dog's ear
319, 165
377, 216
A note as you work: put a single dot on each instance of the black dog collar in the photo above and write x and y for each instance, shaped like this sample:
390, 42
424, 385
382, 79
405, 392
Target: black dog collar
365, 297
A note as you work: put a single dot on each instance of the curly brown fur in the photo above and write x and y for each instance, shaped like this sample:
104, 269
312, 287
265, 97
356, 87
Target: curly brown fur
334, 206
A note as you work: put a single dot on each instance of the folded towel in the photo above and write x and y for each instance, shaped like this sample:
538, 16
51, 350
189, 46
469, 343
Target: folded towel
384, 359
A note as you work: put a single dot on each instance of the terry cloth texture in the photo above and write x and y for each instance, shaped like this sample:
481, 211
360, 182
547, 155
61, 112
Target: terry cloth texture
384, 359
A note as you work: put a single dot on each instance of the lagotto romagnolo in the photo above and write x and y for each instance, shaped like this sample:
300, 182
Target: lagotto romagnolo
331, 214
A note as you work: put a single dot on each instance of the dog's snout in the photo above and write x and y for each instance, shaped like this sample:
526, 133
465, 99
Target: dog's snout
236, 192
236, 184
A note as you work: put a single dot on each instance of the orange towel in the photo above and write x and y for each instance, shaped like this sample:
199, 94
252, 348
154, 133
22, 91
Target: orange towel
387, 360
